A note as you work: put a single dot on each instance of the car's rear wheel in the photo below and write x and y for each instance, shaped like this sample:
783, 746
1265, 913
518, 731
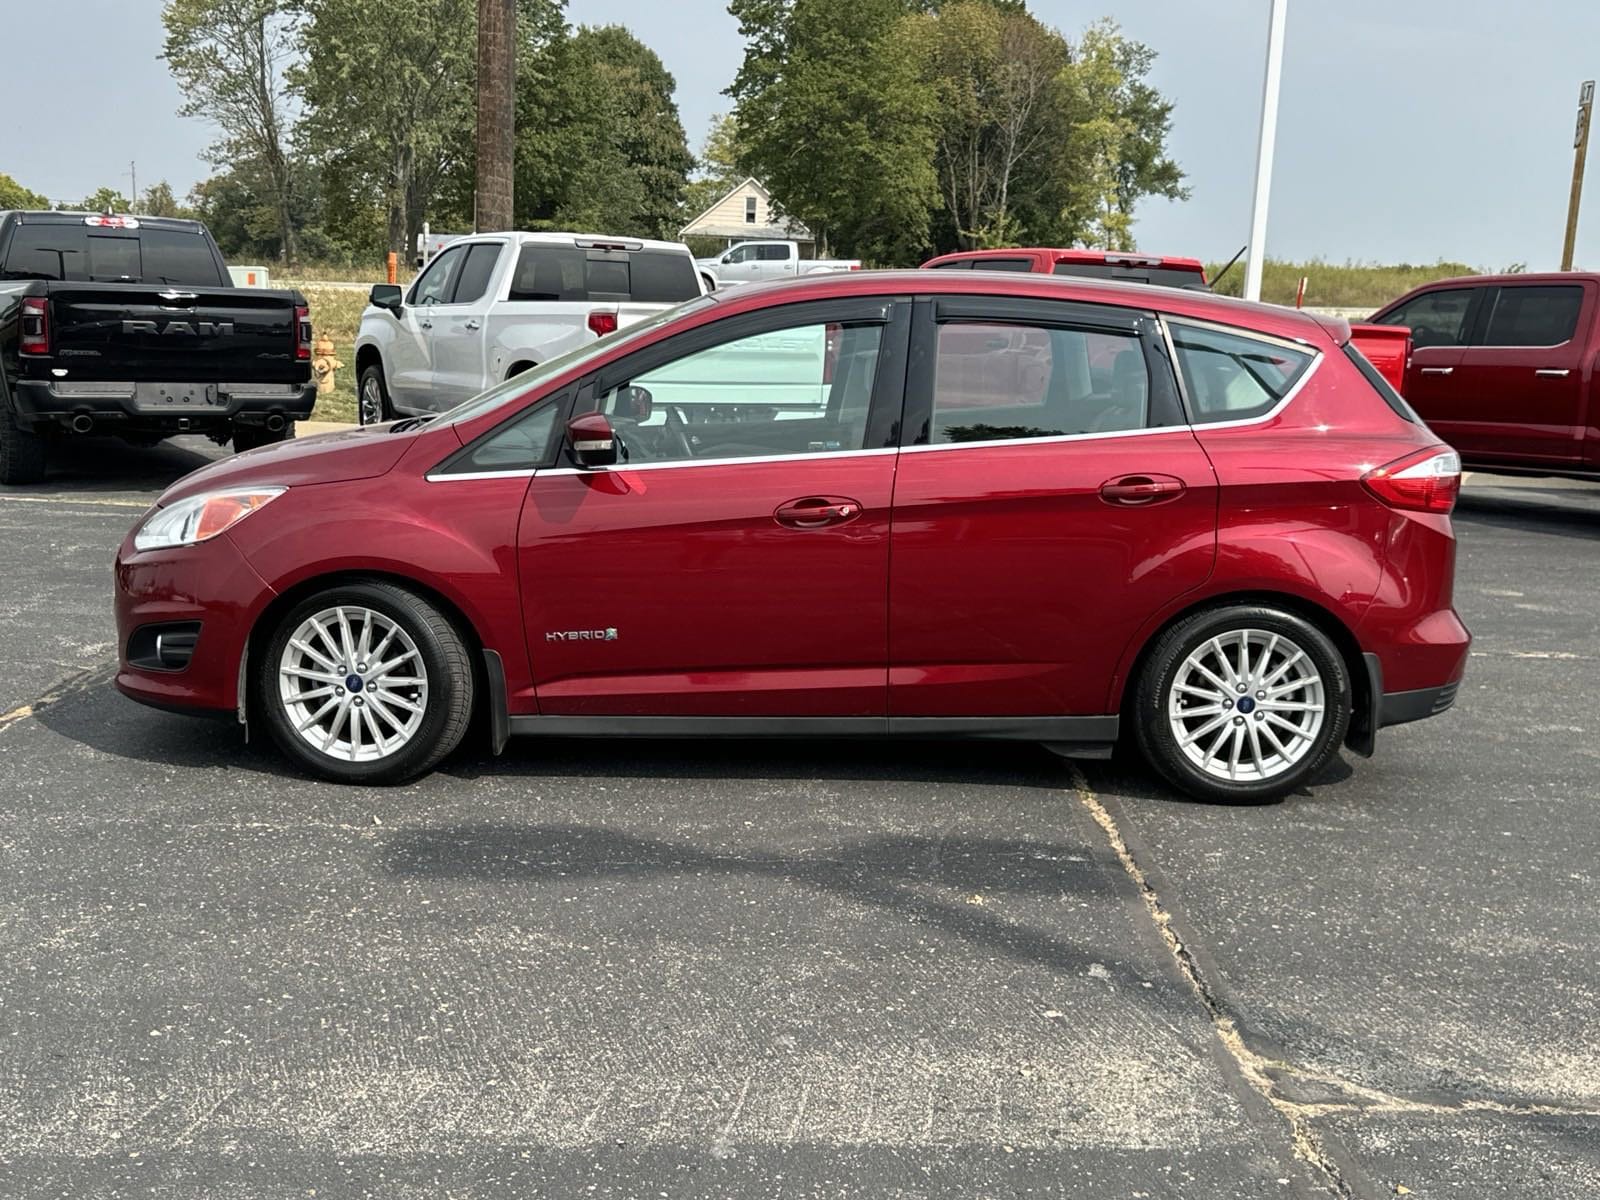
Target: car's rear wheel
366, 683
1242, 703
372, 407
22, 452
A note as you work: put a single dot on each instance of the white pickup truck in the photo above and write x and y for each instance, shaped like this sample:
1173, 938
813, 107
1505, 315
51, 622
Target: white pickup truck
748, 262
492, 305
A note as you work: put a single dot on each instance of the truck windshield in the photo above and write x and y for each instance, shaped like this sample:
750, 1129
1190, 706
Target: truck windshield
73, 253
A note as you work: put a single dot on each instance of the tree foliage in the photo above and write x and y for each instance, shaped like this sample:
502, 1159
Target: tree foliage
231, 58
14, 195
718, 167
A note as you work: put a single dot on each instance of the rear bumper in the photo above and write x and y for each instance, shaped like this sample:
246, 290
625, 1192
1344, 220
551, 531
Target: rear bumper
158, 407
1398, 708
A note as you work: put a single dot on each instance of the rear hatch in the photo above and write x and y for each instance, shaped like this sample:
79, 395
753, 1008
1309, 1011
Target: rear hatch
129, 331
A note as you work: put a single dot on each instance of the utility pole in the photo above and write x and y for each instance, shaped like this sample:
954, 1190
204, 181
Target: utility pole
133, 184
1580, 144
1264, 147
497, 114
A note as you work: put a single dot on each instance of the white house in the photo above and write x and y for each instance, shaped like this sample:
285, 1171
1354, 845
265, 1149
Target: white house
745, 212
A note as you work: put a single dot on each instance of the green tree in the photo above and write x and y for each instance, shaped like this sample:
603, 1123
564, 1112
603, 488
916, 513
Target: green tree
232, 58
159, 201
1002, 101
105, 200
14, 195
388, 87
1116, 152
600, 144
717, 167
838, 122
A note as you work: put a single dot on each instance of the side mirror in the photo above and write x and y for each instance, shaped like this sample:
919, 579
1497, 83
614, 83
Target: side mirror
636, 403
593, 442
726, 258
386, 295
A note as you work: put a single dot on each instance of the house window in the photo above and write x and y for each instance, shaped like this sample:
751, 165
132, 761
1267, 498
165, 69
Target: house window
749, 210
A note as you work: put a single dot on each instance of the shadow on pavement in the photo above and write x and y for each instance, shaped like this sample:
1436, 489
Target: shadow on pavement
104, 464
895, 874
1530, 512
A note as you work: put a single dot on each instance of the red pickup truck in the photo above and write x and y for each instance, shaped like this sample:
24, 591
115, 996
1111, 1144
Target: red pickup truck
1506, 368
1385, 348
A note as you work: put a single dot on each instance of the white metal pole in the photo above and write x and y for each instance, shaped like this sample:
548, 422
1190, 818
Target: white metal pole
1269, 135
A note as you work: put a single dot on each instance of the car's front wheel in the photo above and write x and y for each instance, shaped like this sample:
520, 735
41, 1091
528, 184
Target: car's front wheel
366, 683
1243, 703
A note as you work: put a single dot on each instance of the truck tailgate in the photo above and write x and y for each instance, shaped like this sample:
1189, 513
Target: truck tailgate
1386, 347
111, 331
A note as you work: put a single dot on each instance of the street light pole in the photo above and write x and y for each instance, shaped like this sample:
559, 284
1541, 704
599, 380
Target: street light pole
1269, 135
1580, 151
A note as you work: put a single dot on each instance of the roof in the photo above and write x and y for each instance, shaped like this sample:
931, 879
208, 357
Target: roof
792, 228
523, 237
1115, 258
58, 216
1273, 319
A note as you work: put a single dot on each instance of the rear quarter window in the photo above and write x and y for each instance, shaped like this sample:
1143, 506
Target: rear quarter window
1235, 376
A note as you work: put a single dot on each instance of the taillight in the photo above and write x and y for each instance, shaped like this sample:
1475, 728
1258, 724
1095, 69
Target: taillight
1427, 481
602, 323
302, 333
35, 326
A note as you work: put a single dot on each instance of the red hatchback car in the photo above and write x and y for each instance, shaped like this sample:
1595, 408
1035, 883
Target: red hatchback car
921, 503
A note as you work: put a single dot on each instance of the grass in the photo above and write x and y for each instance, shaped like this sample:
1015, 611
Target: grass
1338, 285
336, 314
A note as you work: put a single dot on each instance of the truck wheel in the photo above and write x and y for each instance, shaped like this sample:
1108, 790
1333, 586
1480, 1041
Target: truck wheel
21, 450
248, 437
372, 398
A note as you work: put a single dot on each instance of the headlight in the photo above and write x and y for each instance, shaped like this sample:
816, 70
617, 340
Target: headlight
200, 517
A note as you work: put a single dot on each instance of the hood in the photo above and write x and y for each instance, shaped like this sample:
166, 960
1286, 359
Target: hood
325, 458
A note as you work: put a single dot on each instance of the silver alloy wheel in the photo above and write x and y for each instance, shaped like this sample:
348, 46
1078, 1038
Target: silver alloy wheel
353, 684
1247, 705
371, 411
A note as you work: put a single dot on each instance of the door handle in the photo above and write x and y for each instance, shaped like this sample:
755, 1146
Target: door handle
1552, 373
472, 323
425, 324
1437, 370
813, 512
1137, 490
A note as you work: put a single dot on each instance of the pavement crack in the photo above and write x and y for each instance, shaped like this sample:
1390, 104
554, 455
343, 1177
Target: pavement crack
1254, 1068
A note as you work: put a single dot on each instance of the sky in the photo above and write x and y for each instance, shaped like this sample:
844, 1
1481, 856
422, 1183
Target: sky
1409, 130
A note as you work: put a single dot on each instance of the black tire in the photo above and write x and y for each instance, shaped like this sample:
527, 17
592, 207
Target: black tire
364, 416
447, 708
1153, 728
248, 437
22, 452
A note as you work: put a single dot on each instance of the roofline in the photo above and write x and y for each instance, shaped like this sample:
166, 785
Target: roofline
65, 216
724, 196
1088, 254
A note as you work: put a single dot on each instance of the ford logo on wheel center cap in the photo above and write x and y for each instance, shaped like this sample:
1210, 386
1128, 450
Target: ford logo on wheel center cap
353, 682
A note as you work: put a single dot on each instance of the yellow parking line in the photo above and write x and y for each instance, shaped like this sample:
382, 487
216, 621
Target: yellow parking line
97, 502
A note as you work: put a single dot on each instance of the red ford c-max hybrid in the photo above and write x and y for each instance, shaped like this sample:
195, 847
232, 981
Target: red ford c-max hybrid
963, 504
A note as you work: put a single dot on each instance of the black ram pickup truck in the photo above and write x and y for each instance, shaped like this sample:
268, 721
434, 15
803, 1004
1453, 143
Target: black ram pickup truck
130, 326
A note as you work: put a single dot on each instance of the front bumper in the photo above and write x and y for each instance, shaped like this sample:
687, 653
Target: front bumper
145, 407
163, 588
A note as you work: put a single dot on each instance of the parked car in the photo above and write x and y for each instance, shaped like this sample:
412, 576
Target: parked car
1507, 369
759, 262
131, 326
492, 306
1236, 550
1386, 348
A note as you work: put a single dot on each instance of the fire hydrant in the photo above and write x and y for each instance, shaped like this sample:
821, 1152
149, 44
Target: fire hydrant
324, 365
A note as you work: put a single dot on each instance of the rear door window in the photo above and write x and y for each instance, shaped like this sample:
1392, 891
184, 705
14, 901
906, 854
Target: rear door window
997, 381
1234, 376
556, 272
1434, 318
1533, 316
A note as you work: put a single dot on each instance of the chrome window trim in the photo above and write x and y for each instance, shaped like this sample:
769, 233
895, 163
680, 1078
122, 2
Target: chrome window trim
452, 476
1305, 347
715, 462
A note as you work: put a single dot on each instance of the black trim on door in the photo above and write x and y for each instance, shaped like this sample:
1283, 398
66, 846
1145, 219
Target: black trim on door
1166, 408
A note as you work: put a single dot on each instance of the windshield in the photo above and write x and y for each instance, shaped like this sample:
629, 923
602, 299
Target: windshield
519, 385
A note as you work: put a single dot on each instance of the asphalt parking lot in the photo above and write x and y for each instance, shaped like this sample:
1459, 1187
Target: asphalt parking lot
776, 970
